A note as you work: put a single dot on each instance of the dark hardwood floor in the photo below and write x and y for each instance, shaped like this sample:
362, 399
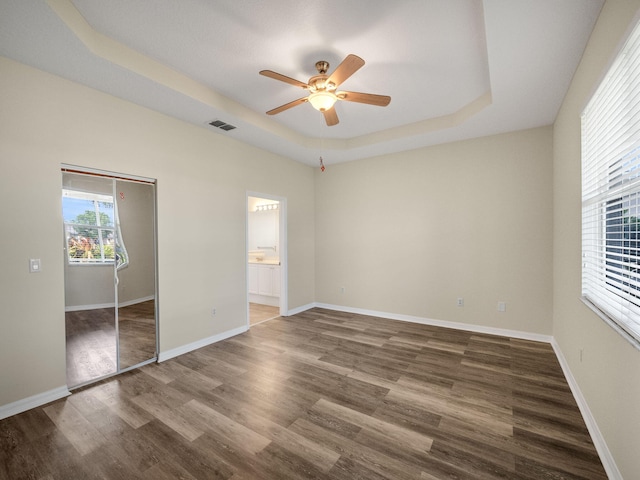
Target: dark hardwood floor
319, 395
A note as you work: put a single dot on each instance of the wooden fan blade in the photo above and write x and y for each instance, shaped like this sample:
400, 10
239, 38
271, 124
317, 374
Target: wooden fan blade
283, 78
368, 98
331, 117
287, 106
348, 67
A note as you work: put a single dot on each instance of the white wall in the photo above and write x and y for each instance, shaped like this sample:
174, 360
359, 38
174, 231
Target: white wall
410, 233
203, 178
609, 373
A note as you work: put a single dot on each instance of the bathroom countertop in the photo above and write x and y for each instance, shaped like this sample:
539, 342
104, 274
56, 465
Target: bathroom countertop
266, 261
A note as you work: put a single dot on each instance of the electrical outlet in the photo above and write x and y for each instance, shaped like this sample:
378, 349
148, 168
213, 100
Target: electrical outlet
502, 307
34, 265
342, 290
213, 312
460, 302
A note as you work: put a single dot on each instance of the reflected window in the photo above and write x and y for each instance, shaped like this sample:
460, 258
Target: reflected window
89, 225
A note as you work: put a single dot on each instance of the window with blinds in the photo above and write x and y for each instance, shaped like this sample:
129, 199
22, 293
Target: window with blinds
611, 194
89, 227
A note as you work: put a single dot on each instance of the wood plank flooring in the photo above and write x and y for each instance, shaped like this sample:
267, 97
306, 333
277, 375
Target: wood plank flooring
259, 313
319, 395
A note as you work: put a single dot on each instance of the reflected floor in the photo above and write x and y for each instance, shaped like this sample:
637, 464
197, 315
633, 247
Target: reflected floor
137, 333
91, 345
91, 341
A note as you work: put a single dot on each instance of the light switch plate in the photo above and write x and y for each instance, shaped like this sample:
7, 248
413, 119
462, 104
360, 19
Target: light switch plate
34, 265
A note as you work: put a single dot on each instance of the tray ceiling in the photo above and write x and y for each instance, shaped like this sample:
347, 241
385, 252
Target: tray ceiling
454, 69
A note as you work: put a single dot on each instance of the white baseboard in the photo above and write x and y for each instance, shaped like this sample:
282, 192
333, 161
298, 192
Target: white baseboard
606, 458
536, 337
174, 352
136, 301
76, 308
96, 306
301, 309
33, 402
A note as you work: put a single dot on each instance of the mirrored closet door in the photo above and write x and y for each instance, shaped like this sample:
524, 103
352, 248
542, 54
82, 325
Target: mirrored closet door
110, 274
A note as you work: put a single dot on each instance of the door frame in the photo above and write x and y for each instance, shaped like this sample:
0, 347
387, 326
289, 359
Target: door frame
282, 239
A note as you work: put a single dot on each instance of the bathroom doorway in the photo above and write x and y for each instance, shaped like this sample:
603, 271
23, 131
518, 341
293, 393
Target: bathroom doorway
266, 257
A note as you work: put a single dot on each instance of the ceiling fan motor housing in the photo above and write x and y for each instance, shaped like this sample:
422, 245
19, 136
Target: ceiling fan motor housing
318, 83
322, 66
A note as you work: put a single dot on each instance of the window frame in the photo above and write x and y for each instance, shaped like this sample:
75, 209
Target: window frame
96, 199
610, 168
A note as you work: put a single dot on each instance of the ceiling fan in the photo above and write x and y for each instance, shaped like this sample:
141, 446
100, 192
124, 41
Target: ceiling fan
322, 89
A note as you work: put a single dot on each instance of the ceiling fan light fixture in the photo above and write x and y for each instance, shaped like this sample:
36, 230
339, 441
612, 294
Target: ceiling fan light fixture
323, 100
321, 88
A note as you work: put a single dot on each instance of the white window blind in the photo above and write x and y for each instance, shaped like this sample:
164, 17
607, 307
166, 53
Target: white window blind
611, 193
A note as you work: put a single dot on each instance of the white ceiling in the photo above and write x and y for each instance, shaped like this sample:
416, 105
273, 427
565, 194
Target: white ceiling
455, 69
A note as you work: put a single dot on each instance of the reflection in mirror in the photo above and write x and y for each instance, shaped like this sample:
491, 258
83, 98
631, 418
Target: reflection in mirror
136, 275
91, 345
110, 289
137, 333
89, 228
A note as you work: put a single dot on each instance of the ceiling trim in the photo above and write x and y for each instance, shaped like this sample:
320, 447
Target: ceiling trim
134, 61
119, 54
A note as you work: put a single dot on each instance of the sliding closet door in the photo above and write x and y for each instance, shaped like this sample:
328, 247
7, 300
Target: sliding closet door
135, 271
89, 228
110, 274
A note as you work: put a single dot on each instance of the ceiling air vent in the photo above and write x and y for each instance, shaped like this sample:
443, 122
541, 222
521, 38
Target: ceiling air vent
222, 125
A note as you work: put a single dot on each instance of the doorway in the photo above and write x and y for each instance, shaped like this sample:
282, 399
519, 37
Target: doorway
110, 273
266, 258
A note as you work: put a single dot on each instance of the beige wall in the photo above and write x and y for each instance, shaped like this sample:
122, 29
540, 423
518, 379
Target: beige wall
136, 213
410, 233
609, 373
203, 179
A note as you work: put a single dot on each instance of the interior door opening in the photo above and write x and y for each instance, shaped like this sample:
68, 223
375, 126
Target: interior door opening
266, 257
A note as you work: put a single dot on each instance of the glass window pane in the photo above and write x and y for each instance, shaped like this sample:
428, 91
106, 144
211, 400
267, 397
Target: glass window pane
78, 210
107, 214
83, 243
108, 243
86, 214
